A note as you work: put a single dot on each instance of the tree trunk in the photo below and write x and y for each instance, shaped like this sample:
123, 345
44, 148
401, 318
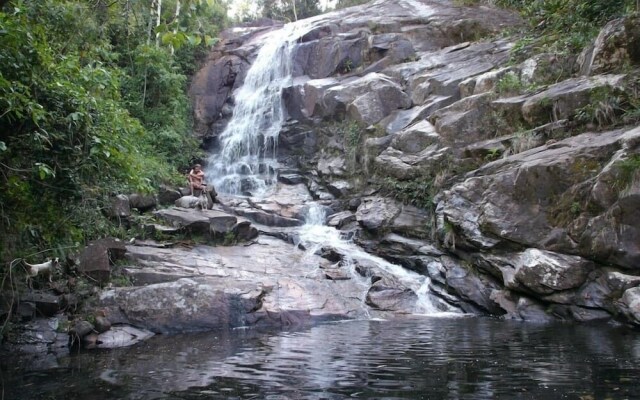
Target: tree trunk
158, 22
295, 13
150, 25
175, 30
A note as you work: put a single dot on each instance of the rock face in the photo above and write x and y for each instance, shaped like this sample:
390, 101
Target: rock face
513, 187
616, 44
270, 282
96, 259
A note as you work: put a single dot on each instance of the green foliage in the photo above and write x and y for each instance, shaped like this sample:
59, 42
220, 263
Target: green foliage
352, 134
466, 2
88, 108
493, 154
567, 24
631, 102
346, 66
510, 83
610, 106
629, 170
289, 10
417, 192
229, 239
603, 112
349, 3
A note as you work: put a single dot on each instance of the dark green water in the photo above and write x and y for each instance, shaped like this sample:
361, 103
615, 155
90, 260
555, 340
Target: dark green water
426, 358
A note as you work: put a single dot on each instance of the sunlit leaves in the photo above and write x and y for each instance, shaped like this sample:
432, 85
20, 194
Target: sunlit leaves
89, 108
209, 41
44, 171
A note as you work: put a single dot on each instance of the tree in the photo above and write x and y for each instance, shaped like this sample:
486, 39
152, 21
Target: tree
349, 3
289, 10
90, 107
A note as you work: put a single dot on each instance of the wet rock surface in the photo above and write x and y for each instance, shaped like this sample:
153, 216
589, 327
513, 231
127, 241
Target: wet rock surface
517, 209
265, 282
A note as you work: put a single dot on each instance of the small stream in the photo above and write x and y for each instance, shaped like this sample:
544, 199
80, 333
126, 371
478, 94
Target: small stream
315, 235
411, 358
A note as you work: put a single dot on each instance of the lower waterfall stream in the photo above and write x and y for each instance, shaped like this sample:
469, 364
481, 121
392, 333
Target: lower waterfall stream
315, 235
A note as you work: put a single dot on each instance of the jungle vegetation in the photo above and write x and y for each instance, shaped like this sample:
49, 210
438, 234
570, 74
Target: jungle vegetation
93, 102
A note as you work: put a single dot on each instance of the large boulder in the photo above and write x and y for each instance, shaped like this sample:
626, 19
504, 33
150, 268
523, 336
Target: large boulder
415, 138
617, 44
372, 107
390, 295
183, 305
540, 198
368, 99
202, 222
329, 55
304, 98
562, 100
486, 82
168, 195
96, 259
209, 288
415, 116
545, 272
630, 304
142, 202
46, 304
404, 166
120, 207
471, 286
384, 215
441, 72
376, 213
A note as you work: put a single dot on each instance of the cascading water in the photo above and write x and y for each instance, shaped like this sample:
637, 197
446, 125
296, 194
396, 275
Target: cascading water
247, 161
315, 235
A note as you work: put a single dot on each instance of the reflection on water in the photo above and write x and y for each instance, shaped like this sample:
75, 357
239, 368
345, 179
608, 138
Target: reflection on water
434, 358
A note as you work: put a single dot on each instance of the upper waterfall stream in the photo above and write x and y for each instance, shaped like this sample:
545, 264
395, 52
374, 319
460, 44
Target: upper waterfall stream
246, 165
246, 161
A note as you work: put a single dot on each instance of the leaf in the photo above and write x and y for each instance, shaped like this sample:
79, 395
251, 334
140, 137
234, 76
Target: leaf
161, 28
209, 41
44, 171
3, 146
176, 43
167, 38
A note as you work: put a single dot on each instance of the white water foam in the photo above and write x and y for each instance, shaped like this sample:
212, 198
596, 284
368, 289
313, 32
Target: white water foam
315, 235
247, 161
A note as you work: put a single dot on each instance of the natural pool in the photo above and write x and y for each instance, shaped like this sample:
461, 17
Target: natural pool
413, 358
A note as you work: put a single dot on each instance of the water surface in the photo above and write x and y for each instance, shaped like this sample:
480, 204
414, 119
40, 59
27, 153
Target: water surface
414, 358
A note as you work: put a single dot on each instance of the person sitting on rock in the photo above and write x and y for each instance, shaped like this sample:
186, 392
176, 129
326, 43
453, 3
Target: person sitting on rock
196, 179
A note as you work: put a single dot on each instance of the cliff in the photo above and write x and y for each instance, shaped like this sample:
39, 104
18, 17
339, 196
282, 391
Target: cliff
513, 185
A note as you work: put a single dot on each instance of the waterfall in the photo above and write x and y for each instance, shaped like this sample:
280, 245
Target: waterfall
315, 235
246, 161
